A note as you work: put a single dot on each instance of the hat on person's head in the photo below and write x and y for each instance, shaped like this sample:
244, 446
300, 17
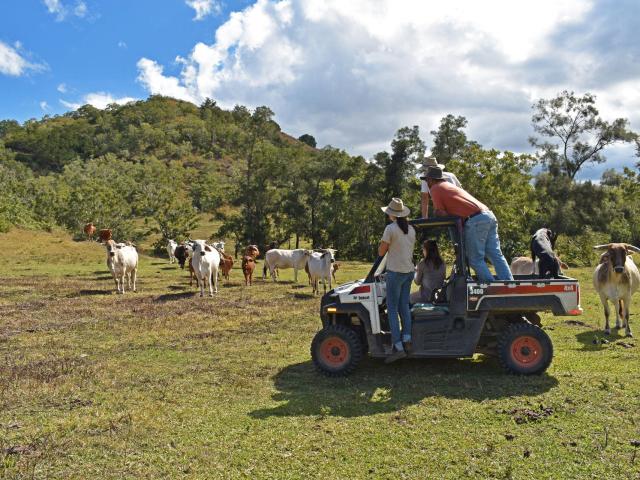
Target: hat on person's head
431, 161
396, 208
434, 173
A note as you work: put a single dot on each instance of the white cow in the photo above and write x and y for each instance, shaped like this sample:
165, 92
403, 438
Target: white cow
122, 260
219, 245
616, 279
524, 266
205, 262
320, 268
171, 250
279, 258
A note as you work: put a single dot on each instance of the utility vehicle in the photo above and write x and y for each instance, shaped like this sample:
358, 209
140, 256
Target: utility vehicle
465, 317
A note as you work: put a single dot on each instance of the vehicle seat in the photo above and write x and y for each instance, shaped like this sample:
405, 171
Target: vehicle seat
426, 311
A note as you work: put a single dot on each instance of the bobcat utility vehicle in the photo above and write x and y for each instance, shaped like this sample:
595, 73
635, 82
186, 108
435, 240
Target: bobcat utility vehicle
499, 318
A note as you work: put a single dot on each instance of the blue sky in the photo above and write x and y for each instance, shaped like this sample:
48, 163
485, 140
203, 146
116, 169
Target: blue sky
348, 72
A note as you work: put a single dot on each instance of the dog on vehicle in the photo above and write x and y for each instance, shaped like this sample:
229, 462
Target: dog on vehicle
542, 243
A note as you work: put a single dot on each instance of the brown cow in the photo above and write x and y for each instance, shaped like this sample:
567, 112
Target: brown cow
90, 230
105, 235
249, 263
226, 264
248, 266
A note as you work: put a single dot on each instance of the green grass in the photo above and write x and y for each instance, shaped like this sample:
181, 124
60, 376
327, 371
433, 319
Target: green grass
162, 384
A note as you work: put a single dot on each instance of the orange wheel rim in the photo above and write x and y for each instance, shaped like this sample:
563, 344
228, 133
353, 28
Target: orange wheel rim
526, 351
334, 351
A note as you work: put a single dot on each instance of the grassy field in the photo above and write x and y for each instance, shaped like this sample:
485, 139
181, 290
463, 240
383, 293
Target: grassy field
164, 384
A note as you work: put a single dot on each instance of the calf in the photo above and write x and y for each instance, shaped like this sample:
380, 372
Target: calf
205, 262
122, 260
334, 268
524, 266
171, 250
542, 246
320, 266
279, 258
616, 278
218, 246
248, 266
226, 264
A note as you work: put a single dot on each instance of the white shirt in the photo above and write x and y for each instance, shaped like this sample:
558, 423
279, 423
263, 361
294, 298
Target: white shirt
448, 176
400, 253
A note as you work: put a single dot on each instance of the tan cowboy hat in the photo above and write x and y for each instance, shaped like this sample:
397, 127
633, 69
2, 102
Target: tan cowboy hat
433, 172
431, 161
396, 208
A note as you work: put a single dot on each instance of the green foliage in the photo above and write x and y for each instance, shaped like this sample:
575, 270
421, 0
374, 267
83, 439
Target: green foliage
308, 139
577, 251
450, 140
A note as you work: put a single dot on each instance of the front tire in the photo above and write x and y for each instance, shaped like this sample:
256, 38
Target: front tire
336, 351
525, 349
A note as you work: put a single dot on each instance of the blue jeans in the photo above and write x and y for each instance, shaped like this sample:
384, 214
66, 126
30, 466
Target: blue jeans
398, 289
481, 237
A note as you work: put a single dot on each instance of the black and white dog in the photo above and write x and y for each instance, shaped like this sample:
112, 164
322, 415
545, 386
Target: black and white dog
542, 244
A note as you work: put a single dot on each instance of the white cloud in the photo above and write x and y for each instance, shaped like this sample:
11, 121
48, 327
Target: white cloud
62, 88
14, 64
98, 100
62, 10
352, 73
204, 7
44, 106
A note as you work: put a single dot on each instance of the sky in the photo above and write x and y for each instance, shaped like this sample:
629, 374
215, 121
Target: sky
350, 73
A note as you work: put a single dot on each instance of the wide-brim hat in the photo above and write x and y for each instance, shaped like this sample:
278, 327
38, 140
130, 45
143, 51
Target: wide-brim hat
434, 173
431, 161
396, 208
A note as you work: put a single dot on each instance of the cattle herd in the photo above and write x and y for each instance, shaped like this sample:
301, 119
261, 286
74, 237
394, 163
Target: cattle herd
207, 261
616, 278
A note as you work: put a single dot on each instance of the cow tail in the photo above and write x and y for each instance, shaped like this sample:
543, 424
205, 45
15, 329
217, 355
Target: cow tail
621, 308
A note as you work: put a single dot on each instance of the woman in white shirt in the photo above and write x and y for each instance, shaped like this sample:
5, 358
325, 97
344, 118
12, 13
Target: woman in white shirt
397, 242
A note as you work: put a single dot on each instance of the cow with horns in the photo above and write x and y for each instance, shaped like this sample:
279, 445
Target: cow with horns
616, 279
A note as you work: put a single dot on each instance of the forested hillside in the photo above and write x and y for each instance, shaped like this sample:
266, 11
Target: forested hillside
153, 165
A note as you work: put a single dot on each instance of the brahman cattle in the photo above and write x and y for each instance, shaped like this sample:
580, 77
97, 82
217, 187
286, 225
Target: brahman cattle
616, 279
122, 261
89, 230
524, 266
277, 258
205, 262
319, 266
171, 250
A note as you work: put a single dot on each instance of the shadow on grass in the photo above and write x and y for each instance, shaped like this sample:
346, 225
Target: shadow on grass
591, 340
104, 277
302, 296
378, 388
88, 292
178, 287
169, 297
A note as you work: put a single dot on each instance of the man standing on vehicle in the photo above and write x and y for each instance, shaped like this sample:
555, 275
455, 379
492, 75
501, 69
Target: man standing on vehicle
425, 194
480, 227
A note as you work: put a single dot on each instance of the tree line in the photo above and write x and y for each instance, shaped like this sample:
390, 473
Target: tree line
154, 165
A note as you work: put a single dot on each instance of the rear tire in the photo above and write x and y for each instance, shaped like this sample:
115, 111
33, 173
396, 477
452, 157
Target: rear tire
525, 349
336, 350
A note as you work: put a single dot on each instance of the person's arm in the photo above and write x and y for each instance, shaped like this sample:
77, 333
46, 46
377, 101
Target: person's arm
424, 204
417, 279
385, 241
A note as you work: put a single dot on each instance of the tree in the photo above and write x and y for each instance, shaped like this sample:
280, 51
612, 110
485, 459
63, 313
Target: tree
449, 140
308, 139
400, 167
577, 135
